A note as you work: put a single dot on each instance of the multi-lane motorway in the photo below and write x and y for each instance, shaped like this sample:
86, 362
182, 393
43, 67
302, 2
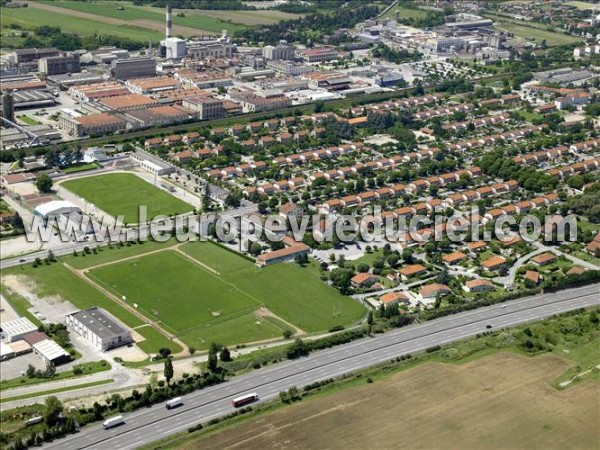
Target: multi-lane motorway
149, 424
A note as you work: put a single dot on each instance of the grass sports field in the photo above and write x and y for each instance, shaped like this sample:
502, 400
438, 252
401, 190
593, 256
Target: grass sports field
56, 282
199, 291
122, 193
532, 31
408, 13
220, 293
499, 401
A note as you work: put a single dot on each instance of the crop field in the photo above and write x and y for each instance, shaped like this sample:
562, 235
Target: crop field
499, 401
408, 13
32, 17
55, 282
122, 194
583, 5
313, 307
533, 32
193, 22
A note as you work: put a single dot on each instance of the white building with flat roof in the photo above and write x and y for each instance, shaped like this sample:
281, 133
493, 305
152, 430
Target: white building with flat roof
14, 330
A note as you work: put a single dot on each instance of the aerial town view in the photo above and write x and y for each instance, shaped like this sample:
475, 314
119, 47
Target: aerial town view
299, 224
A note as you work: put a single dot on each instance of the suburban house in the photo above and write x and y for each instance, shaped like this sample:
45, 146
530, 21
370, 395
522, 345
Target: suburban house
412, 271
544, 259
494, 263
364, 280
394, 298
454, 258
478, 286
432, 291
533, 276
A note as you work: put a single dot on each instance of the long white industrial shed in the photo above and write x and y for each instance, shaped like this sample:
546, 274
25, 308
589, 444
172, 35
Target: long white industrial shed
15, 329
51, 352
55, 208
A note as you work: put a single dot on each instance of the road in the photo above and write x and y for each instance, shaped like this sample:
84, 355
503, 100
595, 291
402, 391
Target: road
149, 424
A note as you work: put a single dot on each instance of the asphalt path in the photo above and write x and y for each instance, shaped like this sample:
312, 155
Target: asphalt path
149, 424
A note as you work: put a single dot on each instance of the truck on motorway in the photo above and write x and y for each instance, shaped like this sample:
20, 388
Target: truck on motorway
113, 422
174, 402
244, 400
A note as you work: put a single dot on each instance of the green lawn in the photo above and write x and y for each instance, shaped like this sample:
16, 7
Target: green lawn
57, 280
368, 258
28, 120
30, 18
169, 288
81, 168
295, 294
236, 330
529, 116
123, 193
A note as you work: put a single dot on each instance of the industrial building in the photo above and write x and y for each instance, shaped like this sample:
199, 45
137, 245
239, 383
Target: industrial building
99, 328
57, 65
160, 115
133, 68
93, 124
55, 208
8, 106
206, 107
50, 352
281, 51
28, 55
152, 164
13, 330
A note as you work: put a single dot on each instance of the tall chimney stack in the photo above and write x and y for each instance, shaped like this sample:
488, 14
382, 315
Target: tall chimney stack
169, 20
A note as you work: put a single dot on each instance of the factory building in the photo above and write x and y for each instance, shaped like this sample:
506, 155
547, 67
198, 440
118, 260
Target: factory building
93, 124
99, 328
206, 107
13, 330
133, 68
281, 51
57, 65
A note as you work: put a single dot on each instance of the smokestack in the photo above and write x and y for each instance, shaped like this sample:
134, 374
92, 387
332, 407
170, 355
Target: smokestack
169, 20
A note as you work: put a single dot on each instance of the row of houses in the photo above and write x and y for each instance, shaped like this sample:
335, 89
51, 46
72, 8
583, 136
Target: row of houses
558, 152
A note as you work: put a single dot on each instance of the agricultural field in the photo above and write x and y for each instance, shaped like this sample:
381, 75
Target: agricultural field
31, 17
188, 22
499, 401
408, 13
583, 5
121, 194
531, 32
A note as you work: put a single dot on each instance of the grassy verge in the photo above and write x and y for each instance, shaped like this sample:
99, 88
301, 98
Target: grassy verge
56, 391
87, 369
81, 168
28, 120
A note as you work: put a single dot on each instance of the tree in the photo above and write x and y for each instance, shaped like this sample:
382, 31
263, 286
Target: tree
206, 203
212, 357
44, 183
30, 371
168, 371
192, 350
165, 352
50, 370
225, 355
53, 409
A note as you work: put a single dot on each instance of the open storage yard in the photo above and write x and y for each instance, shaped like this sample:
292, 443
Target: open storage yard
123, 193
500, 401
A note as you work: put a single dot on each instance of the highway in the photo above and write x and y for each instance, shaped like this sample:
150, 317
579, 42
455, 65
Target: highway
149, 424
